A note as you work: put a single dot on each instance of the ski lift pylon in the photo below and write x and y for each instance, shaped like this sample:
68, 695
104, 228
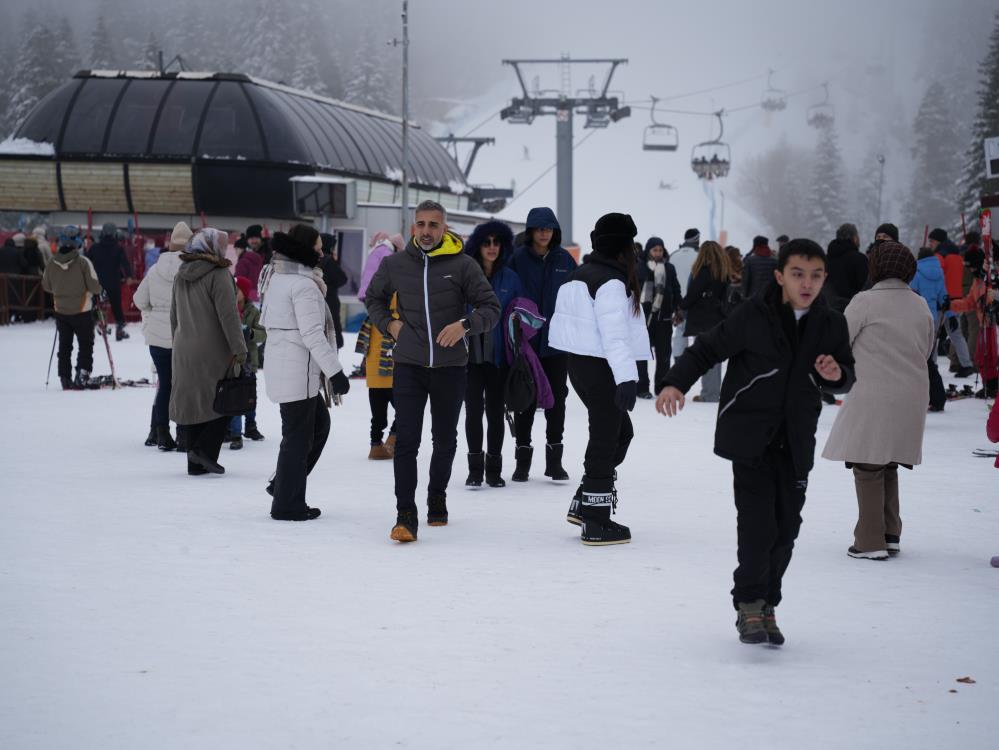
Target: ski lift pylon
822, 115
712, 159
659, 136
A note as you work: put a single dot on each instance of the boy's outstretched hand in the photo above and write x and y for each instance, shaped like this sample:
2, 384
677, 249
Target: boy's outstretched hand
670, 401
828, 368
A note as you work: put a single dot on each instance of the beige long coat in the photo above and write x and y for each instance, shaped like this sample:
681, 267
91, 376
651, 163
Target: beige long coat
207, 334
892, 335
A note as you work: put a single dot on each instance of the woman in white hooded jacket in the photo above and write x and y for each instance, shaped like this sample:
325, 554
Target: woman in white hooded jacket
302, 367
154, 298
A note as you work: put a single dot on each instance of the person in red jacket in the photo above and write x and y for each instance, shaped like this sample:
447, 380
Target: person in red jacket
953, 268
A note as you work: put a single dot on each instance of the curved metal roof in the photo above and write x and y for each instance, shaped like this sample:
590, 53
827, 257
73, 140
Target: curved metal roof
182, 116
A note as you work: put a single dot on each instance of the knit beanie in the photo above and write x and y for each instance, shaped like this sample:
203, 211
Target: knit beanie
180, 236
892, 231
938, 234
245, 285
70, 236
109, 231
298, 244
891, 260
692, 234
612, 234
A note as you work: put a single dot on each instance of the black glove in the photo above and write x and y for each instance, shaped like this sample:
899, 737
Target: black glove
626, 395
339, 383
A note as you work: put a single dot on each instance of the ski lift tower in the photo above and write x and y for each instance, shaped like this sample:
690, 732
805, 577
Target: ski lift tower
599, 107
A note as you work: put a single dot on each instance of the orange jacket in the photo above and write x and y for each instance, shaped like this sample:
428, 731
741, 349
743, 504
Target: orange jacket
971, 303
953, 268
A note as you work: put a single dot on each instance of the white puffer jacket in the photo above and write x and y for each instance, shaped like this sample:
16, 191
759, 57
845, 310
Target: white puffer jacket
594, 317
300, 337
154, 297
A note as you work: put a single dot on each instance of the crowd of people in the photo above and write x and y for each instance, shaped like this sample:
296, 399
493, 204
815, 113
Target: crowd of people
502, 325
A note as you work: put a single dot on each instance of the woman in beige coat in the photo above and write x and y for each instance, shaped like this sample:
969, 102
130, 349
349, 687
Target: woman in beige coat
881, 425
207, 340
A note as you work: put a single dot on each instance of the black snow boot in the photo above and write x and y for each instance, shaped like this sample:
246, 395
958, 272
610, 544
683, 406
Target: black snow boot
252, 432
120, 334
524, 454
181, 440
774, 635
595, 507
475, 468
436, 509
164, 441
406, 526
750, 622
69, 385
553, 463
198, 459
82, 379
575, 514
307, 514
494, 467
236, 444
151, 437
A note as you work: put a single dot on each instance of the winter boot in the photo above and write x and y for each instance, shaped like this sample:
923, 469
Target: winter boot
553, 462
774, 635
252, 432
302, 515
436, 509
494, 467
598, 530
236, 444
750, 622
390, 444
575, 516
524, 454
475, 468
82, 379
406, 525
69, 385
164, 441
379, 453
878, 554
181, 440
150, 438
120, 334
229, 436
198, 459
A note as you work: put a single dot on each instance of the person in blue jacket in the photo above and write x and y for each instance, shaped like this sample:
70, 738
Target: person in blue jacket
491, 246
930, 285
543, 266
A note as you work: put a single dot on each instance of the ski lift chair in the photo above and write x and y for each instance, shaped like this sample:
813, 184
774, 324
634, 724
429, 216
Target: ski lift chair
822, 115
773, 99
659, 136
712, 159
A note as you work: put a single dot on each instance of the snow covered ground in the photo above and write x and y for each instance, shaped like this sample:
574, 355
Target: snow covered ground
141, 608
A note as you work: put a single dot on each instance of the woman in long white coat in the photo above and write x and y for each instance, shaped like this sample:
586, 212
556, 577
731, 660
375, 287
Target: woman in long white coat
302, 368
881, 425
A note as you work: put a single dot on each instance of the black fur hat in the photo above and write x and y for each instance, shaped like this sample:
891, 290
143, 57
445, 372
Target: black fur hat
613, 233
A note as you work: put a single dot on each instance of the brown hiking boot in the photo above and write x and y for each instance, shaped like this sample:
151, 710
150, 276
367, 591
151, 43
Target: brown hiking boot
750, 622
405, 527
390, 445
379, 453
774, 635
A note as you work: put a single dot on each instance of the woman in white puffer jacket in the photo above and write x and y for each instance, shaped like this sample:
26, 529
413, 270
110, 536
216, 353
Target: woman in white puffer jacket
302, 366
154, 298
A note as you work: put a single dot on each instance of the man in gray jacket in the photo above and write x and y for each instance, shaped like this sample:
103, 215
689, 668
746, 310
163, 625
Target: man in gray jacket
442, 297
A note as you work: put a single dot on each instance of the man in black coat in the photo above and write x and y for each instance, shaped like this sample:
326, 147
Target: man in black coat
783, 350
848, 268
334, 278
758, 269
111, 264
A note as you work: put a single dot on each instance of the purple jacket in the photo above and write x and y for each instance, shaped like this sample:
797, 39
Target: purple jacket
530, 323
378, 253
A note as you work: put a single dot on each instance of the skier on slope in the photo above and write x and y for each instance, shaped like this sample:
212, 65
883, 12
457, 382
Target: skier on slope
782, 349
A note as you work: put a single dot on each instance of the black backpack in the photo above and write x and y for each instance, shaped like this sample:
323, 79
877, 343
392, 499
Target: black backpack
519, 392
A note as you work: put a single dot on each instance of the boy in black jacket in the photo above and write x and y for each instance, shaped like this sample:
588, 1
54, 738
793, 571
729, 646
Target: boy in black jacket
784, 349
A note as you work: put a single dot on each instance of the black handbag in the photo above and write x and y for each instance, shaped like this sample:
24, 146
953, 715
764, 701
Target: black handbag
236, 394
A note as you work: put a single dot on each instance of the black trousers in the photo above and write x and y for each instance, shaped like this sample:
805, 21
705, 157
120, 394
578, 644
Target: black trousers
484, 395
81, 326
305, 426
661, 341
556, 372
412, 386
114, 299
938, 396
379, 400
769, 497
610, 428
162, 360
207, 438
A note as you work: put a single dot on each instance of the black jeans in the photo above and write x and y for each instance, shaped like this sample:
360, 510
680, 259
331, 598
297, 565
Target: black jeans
114, 299
768, 498
556, 372
379, 400
164, 369
610, 428
80, 325
411, 387
484, 394
938, 396
661, 341
305, 426
206, 438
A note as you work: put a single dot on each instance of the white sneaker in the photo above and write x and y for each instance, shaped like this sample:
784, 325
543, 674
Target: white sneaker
878, 554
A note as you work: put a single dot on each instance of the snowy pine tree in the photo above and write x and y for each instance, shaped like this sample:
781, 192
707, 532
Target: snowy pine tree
772, 186
974, 184
367, 85
862, 203
305, 72
34, 74
102, 53
267, 49
149, 58
65, 53
827, 205
934, 190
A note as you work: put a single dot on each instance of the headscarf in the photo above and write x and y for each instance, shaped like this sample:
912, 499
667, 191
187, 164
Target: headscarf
891, 260
209, 241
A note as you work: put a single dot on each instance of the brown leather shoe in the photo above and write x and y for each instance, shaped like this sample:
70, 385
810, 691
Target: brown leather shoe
390, 445
379, 453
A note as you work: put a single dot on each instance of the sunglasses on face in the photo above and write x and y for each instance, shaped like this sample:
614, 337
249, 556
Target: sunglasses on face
490, 242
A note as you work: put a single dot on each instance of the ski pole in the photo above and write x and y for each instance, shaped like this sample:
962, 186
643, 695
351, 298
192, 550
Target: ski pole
48, 373
107, 347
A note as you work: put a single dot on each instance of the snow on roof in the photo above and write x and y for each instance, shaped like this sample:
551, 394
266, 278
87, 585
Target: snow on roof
26, 147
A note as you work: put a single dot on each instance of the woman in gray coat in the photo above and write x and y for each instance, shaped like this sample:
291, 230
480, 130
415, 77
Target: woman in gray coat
881, 426
207, 341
